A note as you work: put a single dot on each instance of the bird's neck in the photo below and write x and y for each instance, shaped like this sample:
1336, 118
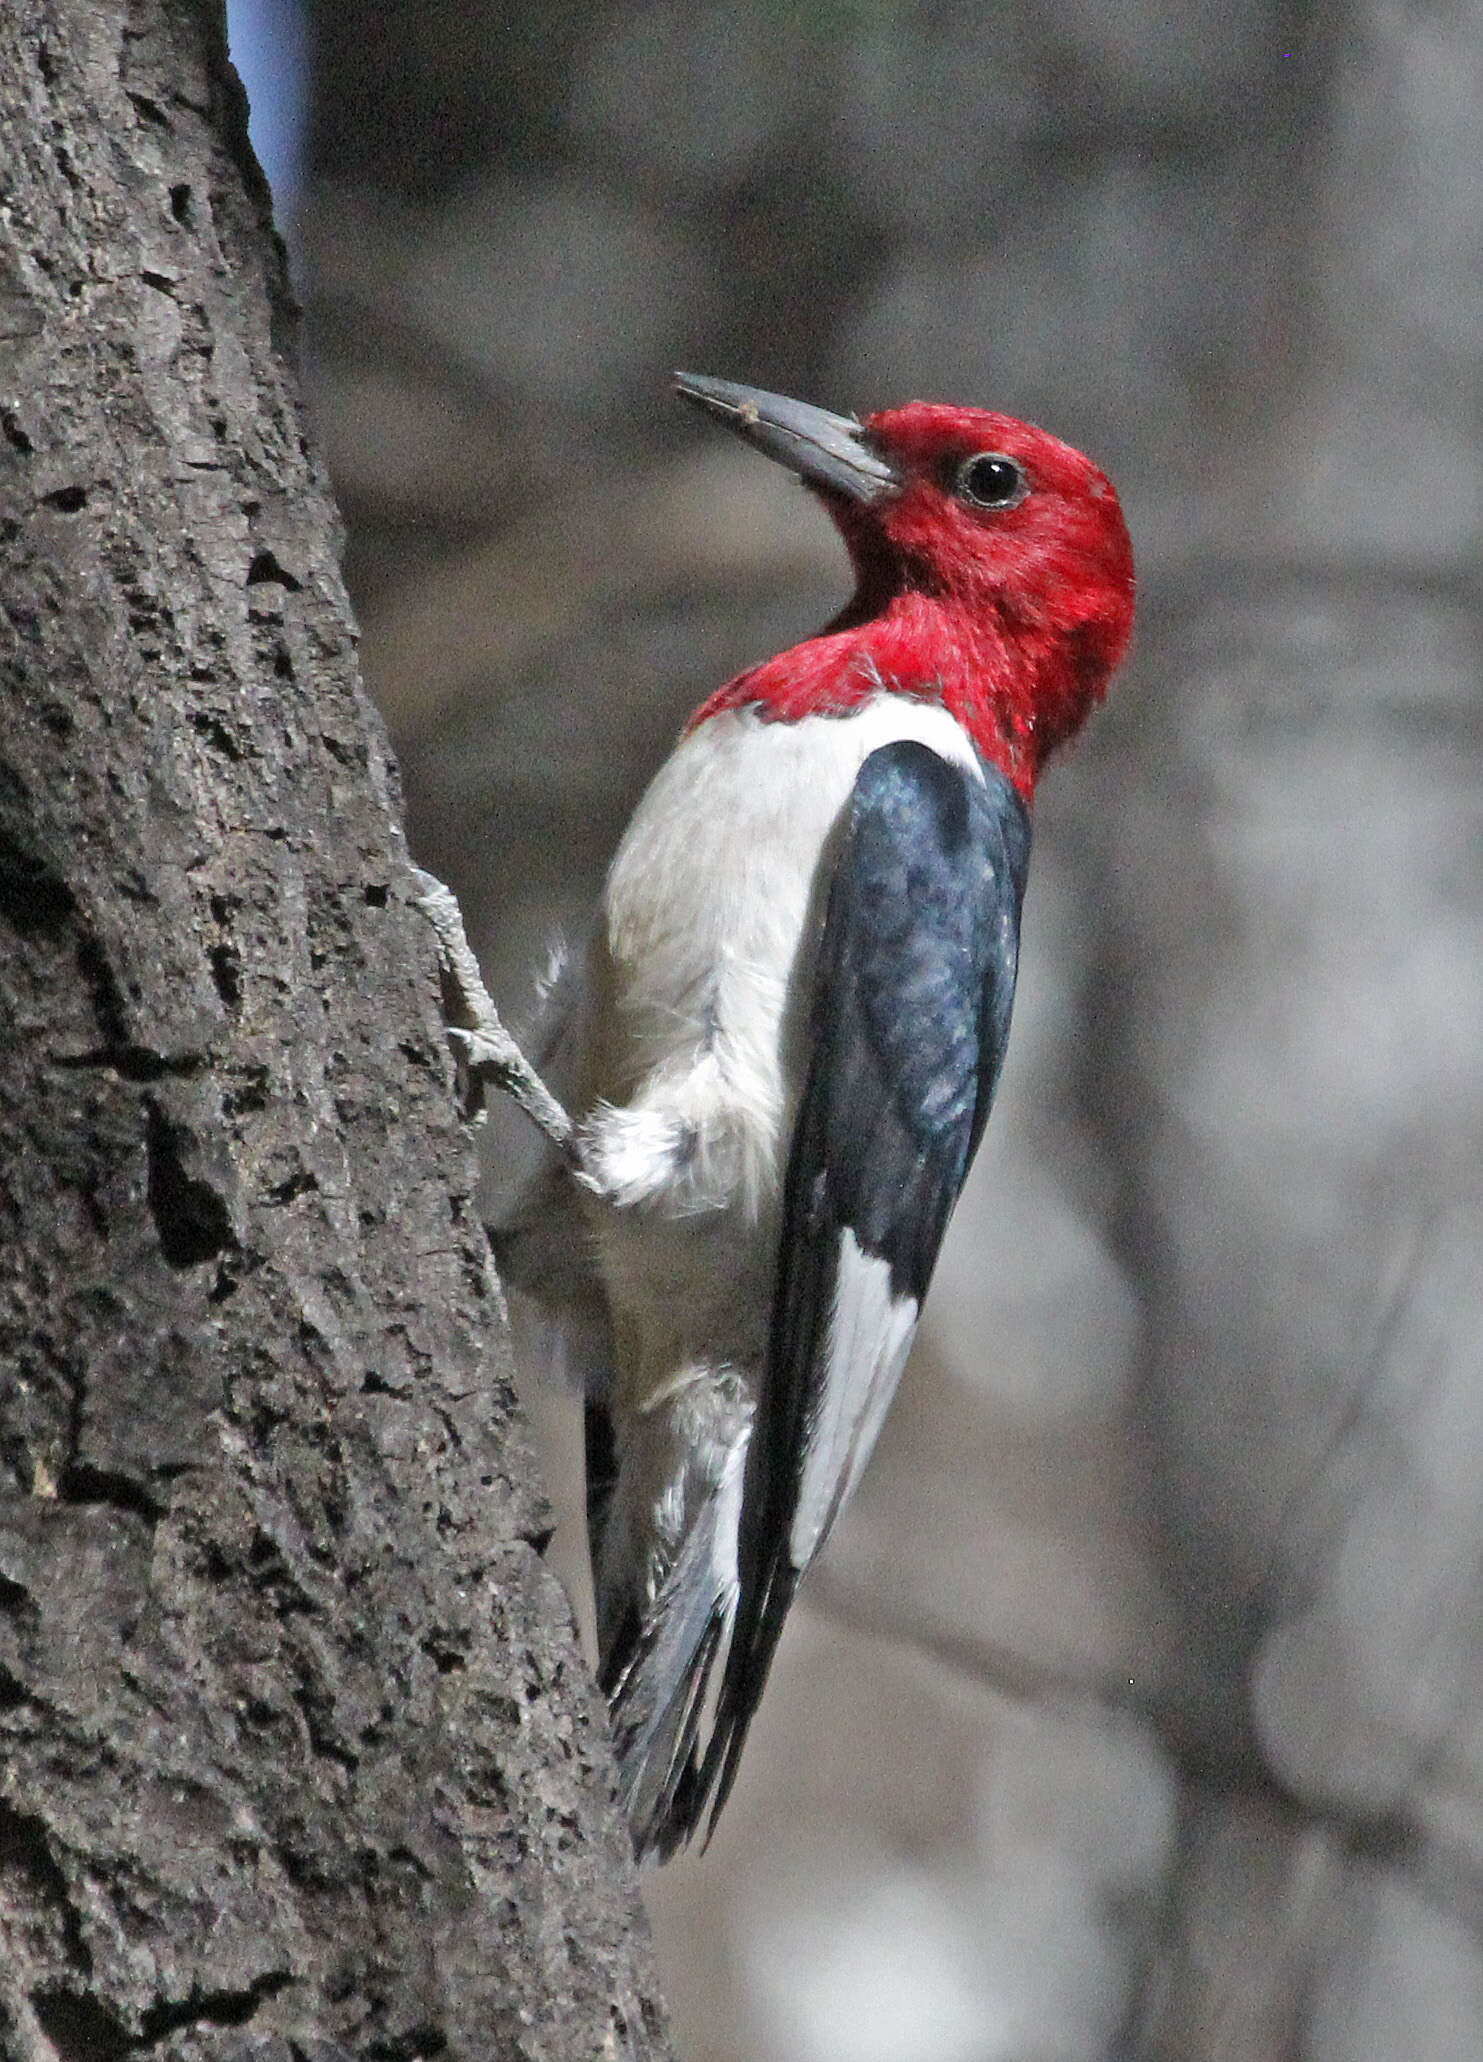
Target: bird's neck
1015, 686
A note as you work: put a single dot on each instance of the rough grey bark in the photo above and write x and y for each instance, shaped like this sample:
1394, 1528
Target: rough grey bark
297, 1754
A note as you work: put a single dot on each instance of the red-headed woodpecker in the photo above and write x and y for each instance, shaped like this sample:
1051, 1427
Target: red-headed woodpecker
791, 1022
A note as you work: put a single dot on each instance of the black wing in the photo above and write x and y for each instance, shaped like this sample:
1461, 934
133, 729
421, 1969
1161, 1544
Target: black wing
909, 1024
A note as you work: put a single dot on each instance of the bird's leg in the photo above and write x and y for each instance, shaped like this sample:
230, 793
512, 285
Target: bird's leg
483, 1049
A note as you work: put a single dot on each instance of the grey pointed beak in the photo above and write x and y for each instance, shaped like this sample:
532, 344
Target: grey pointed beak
824, 450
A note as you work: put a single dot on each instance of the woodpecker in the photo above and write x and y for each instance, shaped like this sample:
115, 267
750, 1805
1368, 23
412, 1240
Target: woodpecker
782, 1046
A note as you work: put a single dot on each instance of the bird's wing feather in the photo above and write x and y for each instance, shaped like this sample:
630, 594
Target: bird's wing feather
909, 1024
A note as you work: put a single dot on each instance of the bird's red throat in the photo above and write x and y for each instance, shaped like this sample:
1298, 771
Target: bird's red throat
1019, 688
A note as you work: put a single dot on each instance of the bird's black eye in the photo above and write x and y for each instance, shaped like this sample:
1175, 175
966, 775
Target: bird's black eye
991, 480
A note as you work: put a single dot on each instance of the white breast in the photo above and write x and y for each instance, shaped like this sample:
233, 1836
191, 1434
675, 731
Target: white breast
712, 910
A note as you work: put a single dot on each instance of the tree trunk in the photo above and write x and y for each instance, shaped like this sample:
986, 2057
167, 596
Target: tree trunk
297, 1752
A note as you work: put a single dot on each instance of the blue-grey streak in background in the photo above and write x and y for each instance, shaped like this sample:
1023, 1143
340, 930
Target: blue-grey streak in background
270, 46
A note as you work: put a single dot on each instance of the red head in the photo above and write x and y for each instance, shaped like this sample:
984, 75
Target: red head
993, 566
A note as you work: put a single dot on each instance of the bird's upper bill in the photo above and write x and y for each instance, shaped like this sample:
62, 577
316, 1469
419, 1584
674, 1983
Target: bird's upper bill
826, 451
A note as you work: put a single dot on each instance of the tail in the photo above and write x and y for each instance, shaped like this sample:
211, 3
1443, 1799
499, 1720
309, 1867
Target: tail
659, 1643
657, 1698
756, 1628
657, 1691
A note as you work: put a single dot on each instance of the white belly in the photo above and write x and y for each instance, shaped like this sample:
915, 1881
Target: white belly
711, 917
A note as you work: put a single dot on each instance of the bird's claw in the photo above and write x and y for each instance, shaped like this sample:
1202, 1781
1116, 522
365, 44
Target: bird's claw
483, 1050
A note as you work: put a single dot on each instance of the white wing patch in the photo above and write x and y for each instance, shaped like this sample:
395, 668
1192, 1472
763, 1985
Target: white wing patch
870, 1334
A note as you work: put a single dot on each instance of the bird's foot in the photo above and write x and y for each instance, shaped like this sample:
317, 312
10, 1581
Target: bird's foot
483, 1050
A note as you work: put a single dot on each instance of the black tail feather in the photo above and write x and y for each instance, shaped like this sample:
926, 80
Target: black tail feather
753, 1643
656, 1672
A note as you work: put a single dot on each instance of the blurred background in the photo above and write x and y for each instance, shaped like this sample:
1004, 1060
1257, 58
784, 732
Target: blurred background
1136, 1708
